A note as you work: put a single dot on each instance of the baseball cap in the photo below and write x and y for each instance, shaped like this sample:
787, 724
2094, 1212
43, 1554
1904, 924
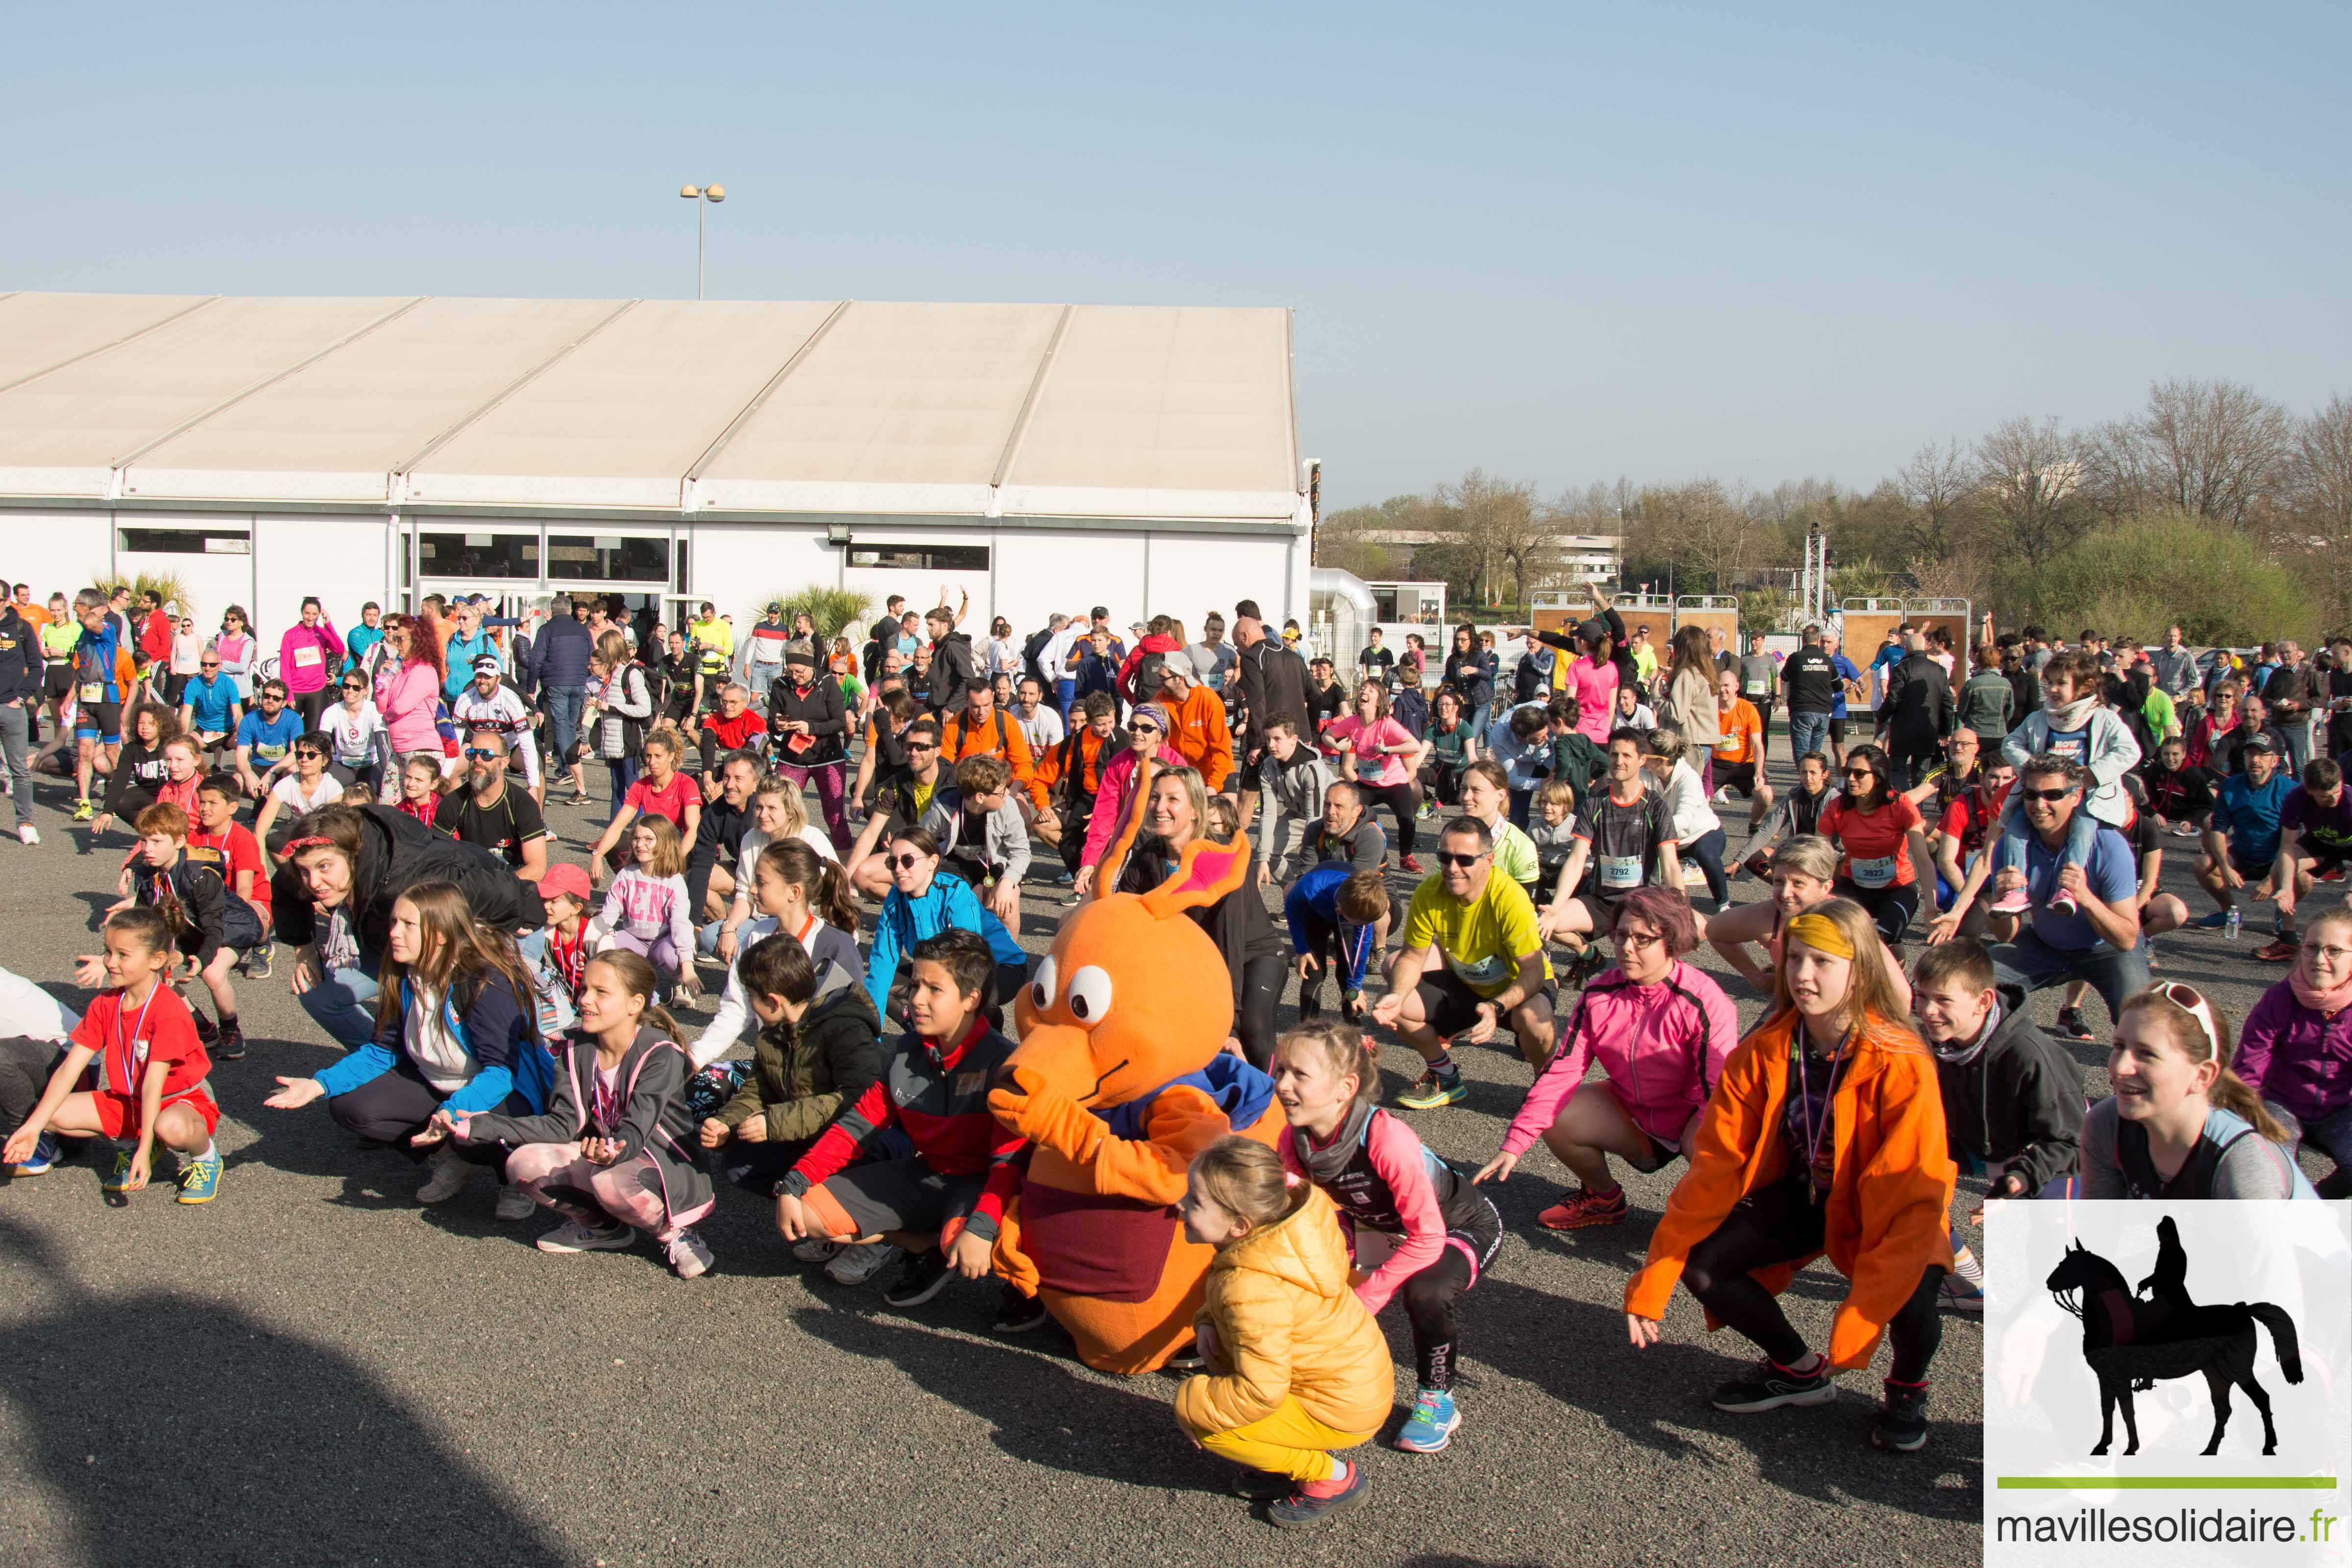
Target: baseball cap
775, 609
2260, 740
489, 661
564, 877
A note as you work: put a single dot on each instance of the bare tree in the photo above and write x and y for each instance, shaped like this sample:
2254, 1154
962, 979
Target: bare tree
1705, 531
1940, 483
2030, 476
2215, 447
1515, 538
2319, 476
2118, 467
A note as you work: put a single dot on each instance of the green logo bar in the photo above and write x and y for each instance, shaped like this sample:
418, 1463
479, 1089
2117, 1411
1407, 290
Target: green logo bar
2166, 1483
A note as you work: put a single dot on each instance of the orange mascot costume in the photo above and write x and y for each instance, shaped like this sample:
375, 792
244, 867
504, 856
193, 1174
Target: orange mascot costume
1120, 1078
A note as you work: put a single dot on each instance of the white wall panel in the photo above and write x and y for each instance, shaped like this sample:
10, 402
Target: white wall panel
340, 559
1192, 573
1039, 571
57, 551
740, 567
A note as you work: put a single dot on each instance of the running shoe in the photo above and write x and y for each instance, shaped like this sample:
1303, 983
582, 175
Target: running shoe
1430, 1426
232, 1043
1351, 1006
574, 1237
450, 1176
47, 1152
2071, 1027
2015, 901
2329, 873
1259, 1486
1584, 1207
1902, 1422
815, 1249
1411, 863
856, 1265
921, 1276
1313, 1503
119, 1177
2281, 950
2214, 922
28, 834
200, 1179
2182, 830
1768, 1387
257, 962
515, 1203
1961, 1296
2061, 902
1434, 1092
207, 1030
83, 811
689, 1255
1017, 1313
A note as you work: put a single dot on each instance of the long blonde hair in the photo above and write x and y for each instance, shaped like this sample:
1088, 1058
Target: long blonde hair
1869, 992
1245, 1178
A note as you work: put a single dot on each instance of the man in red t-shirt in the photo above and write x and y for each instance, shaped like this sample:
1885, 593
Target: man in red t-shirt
218, 840
735, 726
151, 1066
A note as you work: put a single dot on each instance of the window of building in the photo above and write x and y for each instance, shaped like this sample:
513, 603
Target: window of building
921, 557
478, 554
606, 558
183, 541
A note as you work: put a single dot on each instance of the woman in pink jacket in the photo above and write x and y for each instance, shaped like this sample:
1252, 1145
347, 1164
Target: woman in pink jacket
409, 686
1146, 728
1661, 1031
308, 656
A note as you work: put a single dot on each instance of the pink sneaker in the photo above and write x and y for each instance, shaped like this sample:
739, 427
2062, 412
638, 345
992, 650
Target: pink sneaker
2015, 901
2062, 902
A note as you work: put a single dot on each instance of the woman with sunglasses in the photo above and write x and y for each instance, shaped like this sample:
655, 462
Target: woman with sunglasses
1177, 815
234, 644
1147, 727
187, 660
304, 790
1883, 843
923, 901
1825, 1135
359, 743
2180, 1124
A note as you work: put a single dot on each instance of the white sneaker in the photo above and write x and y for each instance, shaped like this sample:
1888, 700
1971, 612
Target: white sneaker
816, 1249
574, 1237
28, 834
1722, 796
856, 1265
514, 1203
450, 1176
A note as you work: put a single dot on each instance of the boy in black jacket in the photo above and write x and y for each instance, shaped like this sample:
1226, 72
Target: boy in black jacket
2013, 1099
208, 924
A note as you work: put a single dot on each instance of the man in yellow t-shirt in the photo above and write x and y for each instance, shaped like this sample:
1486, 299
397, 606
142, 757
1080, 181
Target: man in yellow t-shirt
1471, 959
1740, 755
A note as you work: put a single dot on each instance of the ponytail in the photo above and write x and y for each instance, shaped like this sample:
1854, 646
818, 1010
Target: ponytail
638, 978
822, 883
2235, 1095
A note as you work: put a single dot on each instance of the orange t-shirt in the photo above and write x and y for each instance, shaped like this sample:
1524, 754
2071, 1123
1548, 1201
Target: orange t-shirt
1743, 733
1874, 845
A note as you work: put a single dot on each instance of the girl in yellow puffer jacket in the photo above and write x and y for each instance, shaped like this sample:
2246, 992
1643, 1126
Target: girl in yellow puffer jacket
1297, 1367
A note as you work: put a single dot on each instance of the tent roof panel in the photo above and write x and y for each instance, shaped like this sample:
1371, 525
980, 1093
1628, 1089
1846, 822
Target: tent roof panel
39, 331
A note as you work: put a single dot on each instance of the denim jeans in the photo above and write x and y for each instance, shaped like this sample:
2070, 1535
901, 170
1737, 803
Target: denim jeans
16, 740
343, 1004
2330, 1134
2297, 734
2030, 964
2082, 833
563, 705
1808, 732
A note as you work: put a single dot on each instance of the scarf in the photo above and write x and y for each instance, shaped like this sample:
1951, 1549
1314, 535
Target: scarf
2074, 715
2326, 1004
1961, 1053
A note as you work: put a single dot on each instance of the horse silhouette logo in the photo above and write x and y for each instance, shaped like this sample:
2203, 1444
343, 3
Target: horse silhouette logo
2133, 1339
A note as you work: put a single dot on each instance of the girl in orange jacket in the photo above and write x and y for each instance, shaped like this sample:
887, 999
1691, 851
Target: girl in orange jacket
1825, 1134
1297, 1366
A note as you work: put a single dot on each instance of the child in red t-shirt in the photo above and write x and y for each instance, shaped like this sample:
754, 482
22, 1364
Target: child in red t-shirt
229, 846
151, 1066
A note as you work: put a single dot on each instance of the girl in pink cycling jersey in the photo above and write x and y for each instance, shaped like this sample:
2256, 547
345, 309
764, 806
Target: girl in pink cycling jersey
1661, 1031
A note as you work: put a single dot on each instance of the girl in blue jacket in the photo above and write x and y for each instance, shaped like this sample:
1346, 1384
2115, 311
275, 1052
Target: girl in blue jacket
456, 1029
923, 901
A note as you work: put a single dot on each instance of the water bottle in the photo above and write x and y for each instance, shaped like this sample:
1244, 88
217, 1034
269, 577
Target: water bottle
2230, 923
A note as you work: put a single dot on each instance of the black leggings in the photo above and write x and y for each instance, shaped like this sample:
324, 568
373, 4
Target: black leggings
1261, 994
394, 1106
368, 775
1890, 907
1399, 799
1780, 1224
25, 1068
1430, 1295
312, 704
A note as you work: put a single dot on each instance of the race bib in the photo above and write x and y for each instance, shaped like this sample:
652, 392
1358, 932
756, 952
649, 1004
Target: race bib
1728, 748
267, 750
1878, 872
1620, 870
306, 658
93, 691
1484, 972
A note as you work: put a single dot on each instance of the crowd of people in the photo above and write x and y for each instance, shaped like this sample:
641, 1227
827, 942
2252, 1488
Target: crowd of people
375, 801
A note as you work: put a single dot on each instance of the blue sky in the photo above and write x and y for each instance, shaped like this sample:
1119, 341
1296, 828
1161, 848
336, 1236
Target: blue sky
1561, 242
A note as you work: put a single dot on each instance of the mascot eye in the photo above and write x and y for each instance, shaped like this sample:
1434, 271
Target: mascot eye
1041, 986
1089, 996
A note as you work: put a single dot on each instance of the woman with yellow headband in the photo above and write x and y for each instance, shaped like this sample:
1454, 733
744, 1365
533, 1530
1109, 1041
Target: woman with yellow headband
1831, 1086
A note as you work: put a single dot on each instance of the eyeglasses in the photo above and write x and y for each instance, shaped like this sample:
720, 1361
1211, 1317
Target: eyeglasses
1461, 862
2332, 954
905, 862
2047, 796
478, 753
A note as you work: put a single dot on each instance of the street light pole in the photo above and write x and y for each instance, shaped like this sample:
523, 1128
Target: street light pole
699, 194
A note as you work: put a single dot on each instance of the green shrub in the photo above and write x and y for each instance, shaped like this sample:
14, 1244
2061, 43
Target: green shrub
169, 586
2135, 578
833, 609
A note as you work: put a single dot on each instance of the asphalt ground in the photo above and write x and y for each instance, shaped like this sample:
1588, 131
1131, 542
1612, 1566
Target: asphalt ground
314, 1369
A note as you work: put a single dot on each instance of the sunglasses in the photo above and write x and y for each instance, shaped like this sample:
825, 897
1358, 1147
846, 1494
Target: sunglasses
477, 753
209, 664
310, 756
1461, 862
922, 745
905, 862
1147, 729
1862, 773
356, 686
2051, 797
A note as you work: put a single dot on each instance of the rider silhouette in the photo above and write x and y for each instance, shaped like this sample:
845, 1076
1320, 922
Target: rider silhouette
2166, 1288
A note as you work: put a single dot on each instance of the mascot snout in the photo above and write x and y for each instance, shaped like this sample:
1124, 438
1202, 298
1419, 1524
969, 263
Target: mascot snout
1059, 1058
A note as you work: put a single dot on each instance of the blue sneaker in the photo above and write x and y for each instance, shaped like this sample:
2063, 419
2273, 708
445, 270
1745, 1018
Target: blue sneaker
201, 1179
2214, 922
45, 1153
1432, 1424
